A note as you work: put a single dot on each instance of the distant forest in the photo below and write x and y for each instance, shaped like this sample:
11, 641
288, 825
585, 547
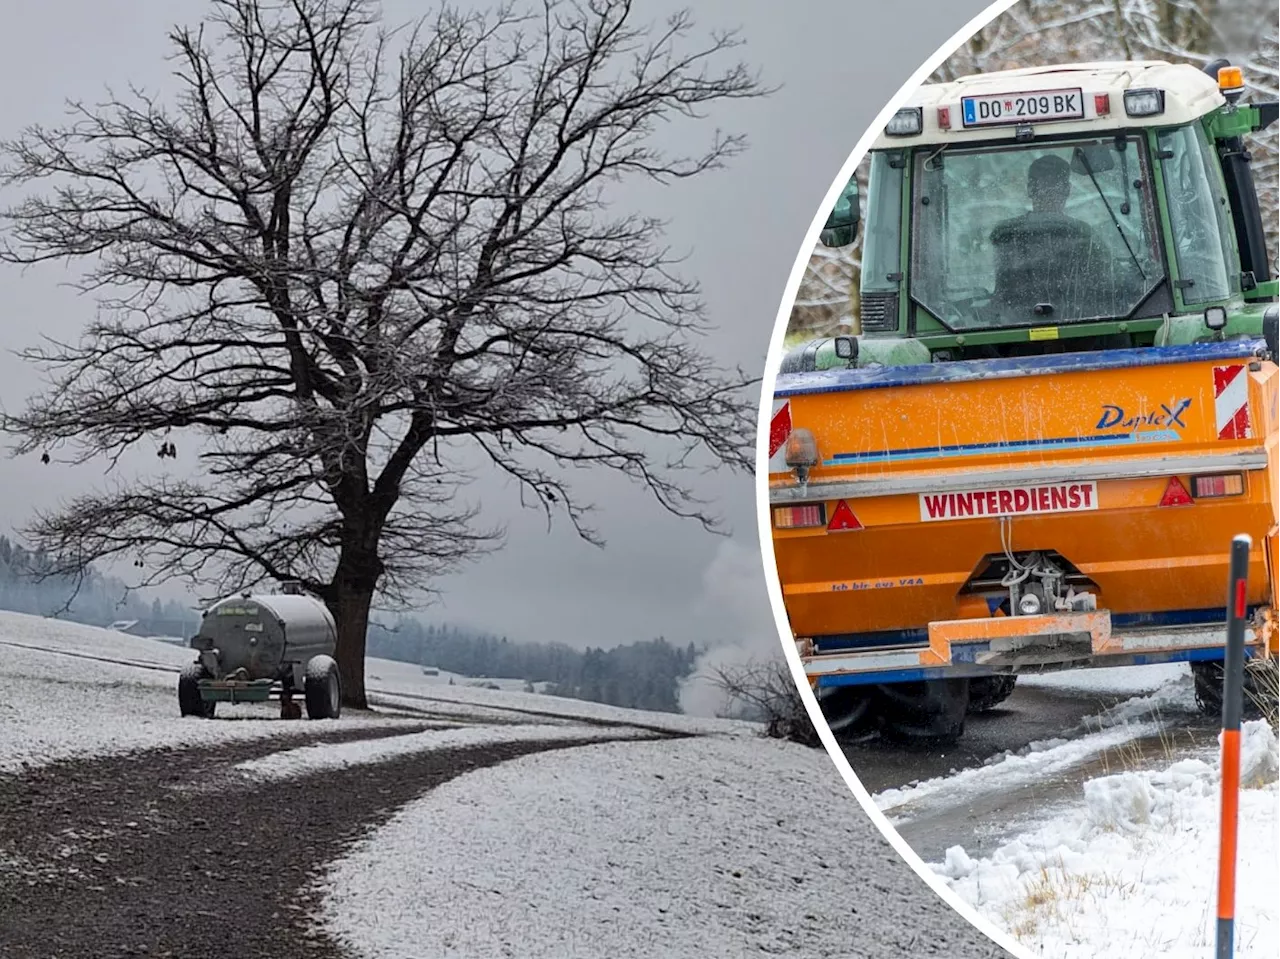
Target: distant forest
641, 675
99, 600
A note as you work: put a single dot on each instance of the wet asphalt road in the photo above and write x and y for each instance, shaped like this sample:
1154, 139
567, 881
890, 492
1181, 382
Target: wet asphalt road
1029, 715
980, 822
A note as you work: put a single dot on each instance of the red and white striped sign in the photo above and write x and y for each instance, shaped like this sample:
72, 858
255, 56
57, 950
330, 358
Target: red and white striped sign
1231, 402
779, 430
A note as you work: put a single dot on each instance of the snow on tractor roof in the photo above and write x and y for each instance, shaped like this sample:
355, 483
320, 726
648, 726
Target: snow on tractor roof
1054, 100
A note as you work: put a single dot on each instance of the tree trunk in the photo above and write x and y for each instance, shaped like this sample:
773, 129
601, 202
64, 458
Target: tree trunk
352, 598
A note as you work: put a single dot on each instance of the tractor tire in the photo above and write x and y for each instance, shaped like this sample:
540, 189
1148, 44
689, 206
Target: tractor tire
851, 712
1258, 700
189, 701
988, 692
926, 713
323, 688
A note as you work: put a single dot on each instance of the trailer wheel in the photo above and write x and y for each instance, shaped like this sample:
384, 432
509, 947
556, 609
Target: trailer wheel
850, 711
988, 692
930, 712
323, 688
189, 701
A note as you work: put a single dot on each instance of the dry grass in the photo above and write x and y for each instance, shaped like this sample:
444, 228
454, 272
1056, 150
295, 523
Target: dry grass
1262, 686
1136, 753
1057, 893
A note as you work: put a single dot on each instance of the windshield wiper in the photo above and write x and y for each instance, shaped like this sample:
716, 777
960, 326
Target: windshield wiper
1088, 168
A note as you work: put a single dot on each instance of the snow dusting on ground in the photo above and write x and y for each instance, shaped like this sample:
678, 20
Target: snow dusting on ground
396, 683
708, 841
71, 691
306, 760
710, 847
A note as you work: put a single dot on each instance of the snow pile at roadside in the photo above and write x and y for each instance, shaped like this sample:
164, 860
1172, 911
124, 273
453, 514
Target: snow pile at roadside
305, 760
1172, 698
1132, 869
1133, 718
711, 847
1033, 763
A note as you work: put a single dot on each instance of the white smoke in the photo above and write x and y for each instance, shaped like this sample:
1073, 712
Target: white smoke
734, 599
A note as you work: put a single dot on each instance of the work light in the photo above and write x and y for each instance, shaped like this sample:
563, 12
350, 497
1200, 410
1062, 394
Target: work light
1144, 103
907, 122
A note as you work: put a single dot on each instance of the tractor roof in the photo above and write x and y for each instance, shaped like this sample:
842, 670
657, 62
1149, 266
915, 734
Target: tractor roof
1188, 94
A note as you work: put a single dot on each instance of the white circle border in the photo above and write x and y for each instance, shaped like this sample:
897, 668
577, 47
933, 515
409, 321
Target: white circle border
773, 361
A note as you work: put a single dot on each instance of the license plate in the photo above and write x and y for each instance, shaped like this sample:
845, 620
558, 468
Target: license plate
996, 109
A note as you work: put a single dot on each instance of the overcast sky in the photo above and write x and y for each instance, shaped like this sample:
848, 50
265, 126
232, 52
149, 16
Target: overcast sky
839, 61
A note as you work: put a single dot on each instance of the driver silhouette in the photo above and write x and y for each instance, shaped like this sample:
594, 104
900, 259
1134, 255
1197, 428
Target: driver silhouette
1044, 256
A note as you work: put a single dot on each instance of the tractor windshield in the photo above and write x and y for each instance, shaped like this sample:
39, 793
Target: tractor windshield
1034, 235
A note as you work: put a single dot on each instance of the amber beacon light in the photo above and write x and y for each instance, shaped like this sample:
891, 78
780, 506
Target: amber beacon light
1231, 82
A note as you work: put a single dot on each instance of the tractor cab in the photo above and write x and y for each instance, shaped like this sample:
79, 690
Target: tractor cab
1059, 209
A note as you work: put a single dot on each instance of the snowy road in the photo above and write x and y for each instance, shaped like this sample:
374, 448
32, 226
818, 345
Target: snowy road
456, 822
1082, 816
1034, 752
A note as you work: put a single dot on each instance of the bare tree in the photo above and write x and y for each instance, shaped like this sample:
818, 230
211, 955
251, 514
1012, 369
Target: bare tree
828, 299
349, 264
766, 692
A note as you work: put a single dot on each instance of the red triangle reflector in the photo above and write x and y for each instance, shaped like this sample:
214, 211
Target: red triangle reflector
1175, 494
842, 518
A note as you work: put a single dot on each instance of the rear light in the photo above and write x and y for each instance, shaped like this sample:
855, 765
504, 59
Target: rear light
1221, 484
1102, 104
944, 118
799, 517
1175, 494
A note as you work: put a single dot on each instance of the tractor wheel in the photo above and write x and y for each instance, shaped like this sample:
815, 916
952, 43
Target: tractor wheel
323, 688
850, 711
189, 701
988, 692
1259, 696
930, 712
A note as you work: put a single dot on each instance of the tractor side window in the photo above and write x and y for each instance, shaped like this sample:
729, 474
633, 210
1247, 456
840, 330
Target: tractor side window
1198, 216
882, 241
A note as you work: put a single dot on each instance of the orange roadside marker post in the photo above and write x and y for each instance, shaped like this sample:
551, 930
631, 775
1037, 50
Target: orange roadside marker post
1232, 705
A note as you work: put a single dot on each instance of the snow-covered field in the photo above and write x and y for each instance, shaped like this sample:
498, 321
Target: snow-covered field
87, 699
316, 758
68, 690
715, 843
470, 701
711, 847
1129, 866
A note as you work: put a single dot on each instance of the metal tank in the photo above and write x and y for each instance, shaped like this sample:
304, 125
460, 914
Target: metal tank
264, 635
268, 646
